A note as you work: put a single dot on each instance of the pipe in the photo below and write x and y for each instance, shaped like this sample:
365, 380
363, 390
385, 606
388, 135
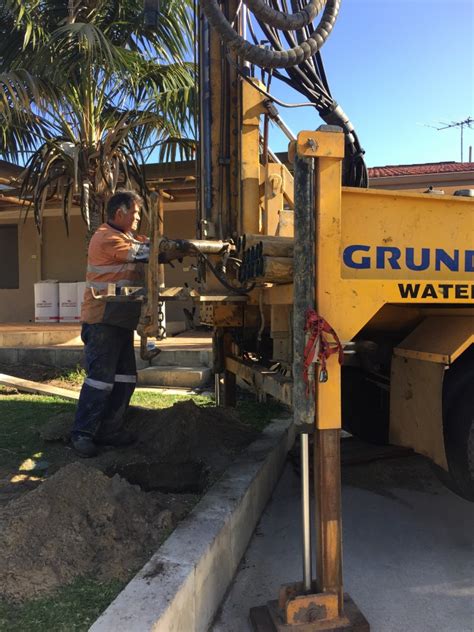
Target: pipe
254, 239
217, 388
208, 246
276, 118
305, 511
205, 124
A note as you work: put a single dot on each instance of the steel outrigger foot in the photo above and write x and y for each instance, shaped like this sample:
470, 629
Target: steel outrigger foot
310, 616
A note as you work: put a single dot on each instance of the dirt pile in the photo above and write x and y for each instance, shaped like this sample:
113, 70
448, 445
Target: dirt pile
78, 522
182, 433
84, 520
187, 432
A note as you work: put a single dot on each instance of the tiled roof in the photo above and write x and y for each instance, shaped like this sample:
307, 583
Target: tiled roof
9, 170
420, 170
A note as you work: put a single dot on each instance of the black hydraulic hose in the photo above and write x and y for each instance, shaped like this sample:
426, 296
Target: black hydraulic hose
284, 20
310, 80
302, 63
272, 58
222, 280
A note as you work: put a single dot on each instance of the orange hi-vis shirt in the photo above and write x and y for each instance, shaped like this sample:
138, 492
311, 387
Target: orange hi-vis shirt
110, 259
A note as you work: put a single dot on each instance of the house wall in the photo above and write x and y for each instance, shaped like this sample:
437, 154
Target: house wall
17, 305
64, 256
179, 225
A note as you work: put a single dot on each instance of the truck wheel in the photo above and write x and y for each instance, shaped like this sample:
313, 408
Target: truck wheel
459, 443
458, 419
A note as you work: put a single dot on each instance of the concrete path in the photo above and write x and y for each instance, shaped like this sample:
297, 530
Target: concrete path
408, 550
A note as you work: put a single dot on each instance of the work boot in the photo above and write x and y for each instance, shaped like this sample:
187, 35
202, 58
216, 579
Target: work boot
118, 439
84, 446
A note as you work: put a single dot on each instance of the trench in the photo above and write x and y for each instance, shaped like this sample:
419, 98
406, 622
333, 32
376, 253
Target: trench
191, 477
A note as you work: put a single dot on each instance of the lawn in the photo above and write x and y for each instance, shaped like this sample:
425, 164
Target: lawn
74, 608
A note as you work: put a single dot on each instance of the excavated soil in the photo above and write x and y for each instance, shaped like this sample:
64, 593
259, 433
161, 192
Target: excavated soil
183, 433
77, 522
84, 519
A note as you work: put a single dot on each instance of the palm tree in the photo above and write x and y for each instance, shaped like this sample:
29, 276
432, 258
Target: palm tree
86, 89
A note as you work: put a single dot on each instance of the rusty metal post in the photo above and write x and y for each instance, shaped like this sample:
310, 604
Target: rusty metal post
327, 485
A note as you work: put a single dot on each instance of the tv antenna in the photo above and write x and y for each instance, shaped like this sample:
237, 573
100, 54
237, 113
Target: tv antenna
462, 124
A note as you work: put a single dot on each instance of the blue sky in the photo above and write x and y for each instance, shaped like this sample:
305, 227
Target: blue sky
396, 67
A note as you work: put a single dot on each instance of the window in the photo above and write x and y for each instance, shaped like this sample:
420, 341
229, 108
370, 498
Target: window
9, 273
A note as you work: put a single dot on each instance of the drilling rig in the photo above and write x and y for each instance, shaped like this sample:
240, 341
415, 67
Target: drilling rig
353, 306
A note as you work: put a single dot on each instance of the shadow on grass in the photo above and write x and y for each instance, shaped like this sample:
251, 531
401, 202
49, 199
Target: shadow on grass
21, 419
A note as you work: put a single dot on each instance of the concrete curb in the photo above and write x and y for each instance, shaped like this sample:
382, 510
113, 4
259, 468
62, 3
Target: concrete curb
183, 584
70, 357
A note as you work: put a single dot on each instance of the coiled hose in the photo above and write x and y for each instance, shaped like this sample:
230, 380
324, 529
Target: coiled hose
300, 66
274, 18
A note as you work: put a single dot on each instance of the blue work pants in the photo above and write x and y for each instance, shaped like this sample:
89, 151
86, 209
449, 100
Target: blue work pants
110, 382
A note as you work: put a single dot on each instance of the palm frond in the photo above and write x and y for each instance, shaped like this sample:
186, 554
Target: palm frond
90, 91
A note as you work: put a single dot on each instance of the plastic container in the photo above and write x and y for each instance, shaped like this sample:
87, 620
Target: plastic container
68, 306
46, 302
81, 288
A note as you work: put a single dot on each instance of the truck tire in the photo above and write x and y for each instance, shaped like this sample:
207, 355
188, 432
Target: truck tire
458, 419
459, 443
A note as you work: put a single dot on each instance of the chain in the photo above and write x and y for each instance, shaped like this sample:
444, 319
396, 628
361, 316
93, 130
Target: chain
161, 317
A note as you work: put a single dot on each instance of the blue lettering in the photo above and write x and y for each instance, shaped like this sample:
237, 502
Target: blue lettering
364, 262
416, 259
425, 259
469, 261
392, 259
451, 262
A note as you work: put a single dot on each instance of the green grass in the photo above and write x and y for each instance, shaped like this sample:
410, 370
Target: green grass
71, 609
149, 399
73, 376
21, 416
251, 412
259, 415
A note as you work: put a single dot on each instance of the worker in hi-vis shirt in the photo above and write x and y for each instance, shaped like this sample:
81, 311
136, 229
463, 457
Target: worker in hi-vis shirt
114, 257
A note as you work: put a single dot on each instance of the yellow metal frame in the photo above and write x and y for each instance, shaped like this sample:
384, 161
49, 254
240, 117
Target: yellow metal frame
440, 339
354, 223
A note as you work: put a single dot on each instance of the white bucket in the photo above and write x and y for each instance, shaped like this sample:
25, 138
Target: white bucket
68, 309
81, 288
46, 302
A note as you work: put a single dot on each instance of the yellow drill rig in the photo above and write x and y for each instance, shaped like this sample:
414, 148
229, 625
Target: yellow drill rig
354, 306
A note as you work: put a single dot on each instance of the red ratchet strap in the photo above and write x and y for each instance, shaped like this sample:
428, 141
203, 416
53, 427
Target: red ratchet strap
319, 345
